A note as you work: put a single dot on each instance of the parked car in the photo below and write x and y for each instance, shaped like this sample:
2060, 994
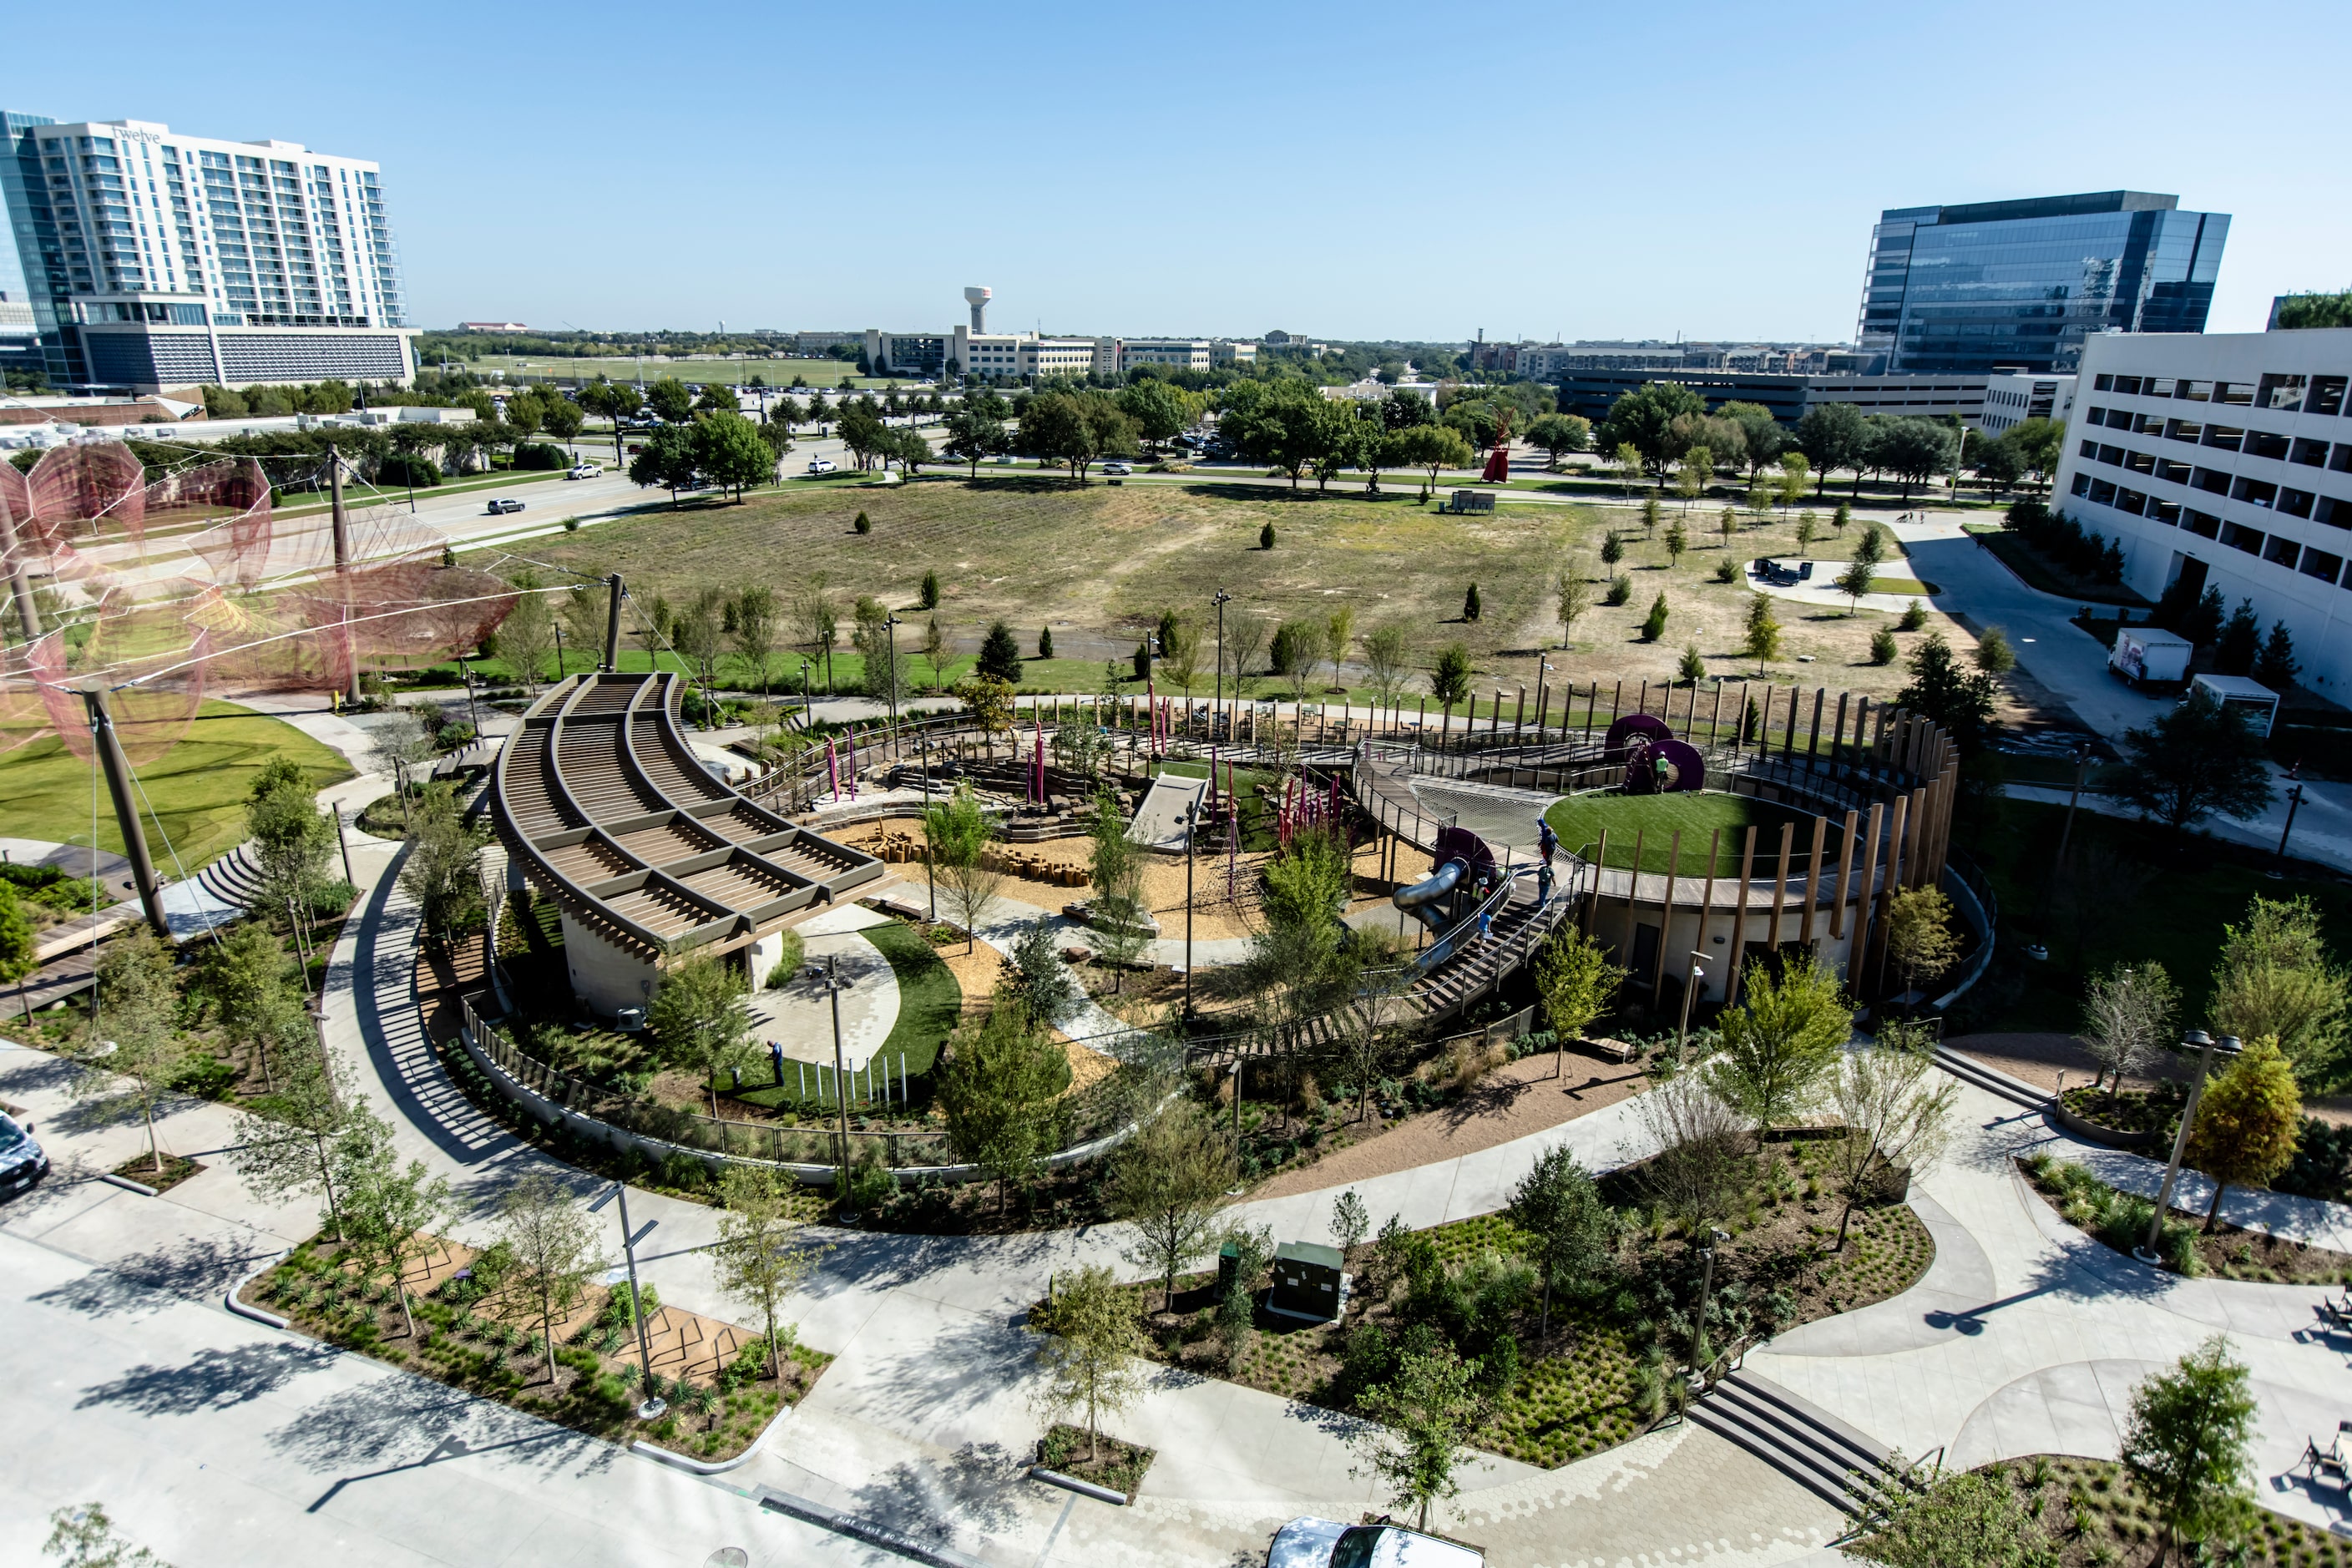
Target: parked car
1311, 1542
821, 465
501, 505
1116, 467
22, 1162
582, 471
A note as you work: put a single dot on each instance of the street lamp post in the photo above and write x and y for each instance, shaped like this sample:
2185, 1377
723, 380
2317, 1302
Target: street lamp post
2293, 799
1681, 1028
653, 1405
1221, 600
890, 625
1191, 827
829, 983
2207, 1048
1706, 1289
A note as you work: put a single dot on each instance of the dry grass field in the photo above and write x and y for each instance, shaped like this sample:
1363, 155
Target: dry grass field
1106, 559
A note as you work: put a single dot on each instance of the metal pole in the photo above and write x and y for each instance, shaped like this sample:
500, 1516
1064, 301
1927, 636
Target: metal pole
1706, 1289
1221, 600
613, 628
341, 839
834, 986
1697, 979
342, 549
653, 1405
126, 814
1192, 825
890, 626
2293, 799
2058, 864
2226, 1046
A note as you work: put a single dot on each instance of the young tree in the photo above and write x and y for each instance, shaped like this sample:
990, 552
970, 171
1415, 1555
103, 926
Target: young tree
1693, 667
2246, 1123
84, 1538
1000, 655
2189, 1445
134, 1047
758, 629
957, 833
1762, 639
444, 869
1036, 975
1572, 596
1896, 1109
1612, 548
1677, 542
1869, 551
1471, 609
1449, 678
1650, 513
2277, 665
2197, 761
292, 839
1700, 1170
701, 1020
553, 1243
388, 1212
1653, 625
762, 1254
1958, 700
666, 461
1384, 661
2127, 1015
1781, 1041
1691, 477
1245, 639
1919, 938
1576, 984
1339, 633
816, 614
1432, 447
1427, 1412
1167, 1181
2275, 978
1994, 654
1628, 460
1351, 1222
1557, 1206
1094, 1339
288, 1142
1297, 649
1974, 1517
526, 639
1000, 1094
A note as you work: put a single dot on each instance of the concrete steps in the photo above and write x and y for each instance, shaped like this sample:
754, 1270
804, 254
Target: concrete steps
1992, 1081
1800, 1440
234, 878
1519, 929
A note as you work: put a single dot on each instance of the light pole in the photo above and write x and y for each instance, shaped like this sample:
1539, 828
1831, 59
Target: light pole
1192, 827
2293, 799
1681, 1028
2207, 1048
2067, 832
890, 625
653, 1405
1543, 667
471, 711
1221, 600
1706, 1289
827, 981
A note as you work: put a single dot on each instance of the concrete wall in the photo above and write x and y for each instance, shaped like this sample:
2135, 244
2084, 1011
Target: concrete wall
604, 977
1725, 936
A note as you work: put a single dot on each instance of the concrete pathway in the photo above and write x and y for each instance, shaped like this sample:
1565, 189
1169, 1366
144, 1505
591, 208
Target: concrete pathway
802, 1022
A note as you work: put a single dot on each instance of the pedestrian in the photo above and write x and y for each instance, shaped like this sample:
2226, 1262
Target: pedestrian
1486, 925
1546, 840
1543, 883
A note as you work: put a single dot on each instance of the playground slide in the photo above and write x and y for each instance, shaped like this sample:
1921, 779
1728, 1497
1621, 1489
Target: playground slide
1422, 900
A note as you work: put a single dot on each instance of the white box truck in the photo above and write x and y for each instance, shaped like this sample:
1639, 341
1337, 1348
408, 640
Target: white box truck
2146, 656
2258, 702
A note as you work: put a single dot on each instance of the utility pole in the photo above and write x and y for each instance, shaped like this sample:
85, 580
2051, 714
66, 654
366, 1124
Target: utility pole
612, 624
126, 813
1221, 601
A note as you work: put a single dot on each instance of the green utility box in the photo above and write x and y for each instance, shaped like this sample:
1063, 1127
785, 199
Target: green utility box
1310, 1282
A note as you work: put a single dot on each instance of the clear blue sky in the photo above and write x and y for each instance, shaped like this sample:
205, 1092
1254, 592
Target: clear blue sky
1356, 171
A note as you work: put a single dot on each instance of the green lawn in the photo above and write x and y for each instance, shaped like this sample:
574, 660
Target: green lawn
197, 788
1580, 819
930, 1004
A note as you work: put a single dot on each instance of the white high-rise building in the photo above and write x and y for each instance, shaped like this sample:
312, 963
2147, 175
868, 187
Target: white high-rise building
157, 261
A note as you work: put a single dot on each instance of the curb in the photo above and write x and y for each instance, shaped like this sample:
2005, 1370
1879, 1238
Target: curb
711, 1467
1072, 1483
127, 1184
270, 1319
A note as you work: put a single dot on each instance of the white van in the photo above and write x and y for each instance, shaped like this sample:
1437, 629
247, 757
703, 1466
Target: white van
821, 465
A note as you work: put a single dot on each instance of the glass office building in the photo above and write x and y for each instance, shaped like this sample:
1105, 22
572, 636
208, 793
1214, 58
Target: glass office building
2021, 284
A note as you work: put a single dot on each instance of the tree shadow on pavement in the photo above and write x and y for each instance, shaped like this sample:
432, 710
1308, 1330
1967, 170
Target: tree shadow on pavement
192, 1267
887, 1260
31, 1071
976, 1485
956, 1370
214, 1380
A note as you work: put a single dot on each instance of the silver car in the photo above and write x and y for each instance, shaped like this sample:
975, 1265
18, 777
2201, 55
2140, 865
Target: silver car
22, 1162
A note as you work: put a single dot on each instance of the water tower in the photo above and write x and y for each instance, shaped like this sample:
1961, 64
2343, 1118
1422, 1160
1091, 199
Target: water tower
978, 300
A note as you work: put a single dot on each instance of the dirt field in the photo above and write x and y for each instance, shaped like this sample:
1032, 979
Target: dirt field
1039, 551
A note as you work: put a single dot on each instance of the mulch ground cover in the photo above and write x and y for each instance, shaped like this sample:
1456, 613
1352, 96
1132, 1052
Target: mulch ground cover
141, 1168
1114, 1463
2084, 1514
1607, 1369
488, 1342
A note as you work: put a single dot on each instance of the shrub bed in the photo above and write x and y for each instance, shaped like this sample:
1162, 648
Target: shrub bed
2121, 1219
1068, 1450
